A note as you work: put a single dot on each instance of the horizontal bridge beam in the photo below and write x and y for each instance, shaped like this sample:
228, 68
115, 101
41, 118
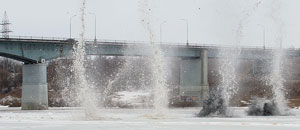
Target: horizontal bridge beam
32, 51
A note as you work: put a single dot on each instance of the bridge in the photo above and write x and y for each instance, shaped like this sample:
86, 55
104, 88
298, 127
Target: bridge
35, 52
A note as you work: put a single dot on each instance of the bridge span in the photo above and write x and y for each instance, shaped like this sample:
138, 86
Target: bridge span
36, 52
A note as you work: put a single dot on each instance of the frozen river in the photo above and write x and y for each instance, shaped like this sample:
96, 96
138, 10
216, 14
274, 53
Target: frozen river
139, 119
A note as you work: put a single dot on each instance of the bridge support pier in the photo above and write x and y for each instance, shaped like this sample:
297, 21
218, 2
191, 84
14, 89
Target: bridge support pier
35, 87
204, 75
193, 78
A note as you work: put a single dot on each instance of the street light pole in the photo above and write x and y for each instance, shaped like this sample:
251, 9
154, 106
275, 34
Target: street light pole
187, 31
95, 40
160, 37
264, 35
71, 25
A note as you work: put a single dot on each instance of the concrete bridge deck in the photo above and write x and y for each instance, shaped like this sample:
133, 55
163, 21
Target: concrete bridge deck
33, 50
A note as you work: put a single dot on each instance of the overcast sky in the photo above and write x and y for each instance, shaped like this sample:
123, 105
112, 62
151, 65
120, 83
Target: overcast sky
210, 21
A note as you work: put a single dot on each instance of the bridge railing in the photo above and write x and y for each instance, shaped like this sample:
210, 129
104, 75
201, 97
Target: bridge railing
36, 38
199, 45
129, 42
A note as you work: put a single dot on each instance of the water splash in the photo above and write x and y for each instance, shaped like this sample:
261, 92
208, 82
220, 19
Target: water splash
133, 77
262, 107
275, 79
158, 64
214, 105
124, 74
246, 14
86, 95
229, 83
229, 64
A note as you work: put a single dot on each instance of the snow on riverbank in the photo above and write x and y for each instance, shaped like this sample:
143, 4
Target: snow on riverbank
3, 106
139, 119
10, 101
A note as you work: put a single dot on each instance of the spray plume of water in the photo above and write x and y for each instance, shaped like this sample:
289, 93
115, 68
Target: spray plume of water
275, 79
136, 78
277, 106
262, 107
219, 99
127, 68
229, 81
158, 64
86, 96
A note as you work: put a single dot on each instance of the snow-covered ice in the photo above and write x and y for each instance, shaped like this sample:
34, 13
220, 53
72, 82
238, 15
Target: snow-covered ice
140, 119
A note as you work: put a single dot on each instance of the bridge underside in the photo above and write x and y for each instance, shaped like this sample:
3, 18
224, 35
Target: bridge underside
31, 52
18, 58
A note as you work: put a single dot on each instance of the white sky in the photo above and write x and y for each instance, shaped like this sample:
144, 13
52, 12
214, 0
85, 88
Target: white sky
210, 21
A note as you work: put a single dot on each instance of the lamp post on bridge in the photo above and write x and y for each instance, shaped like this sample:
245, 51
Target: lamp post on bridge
264, 35
187, 31
71, 25
160, 37
95, 40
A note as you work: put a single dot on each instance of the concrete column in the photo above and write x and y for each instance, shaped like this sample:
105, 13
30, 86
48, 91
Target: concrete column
35, 87
204, 74
190, 75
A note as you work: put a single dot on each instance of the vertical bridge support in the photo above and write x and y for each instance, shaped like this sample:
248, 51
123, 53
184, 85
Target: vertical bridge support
193, 78
35, 87
204, 74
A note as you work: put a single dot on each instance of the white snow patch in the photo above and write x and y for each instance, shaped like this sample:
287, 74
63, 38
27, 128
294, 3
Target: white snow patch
3, 106
245, 102
135, 99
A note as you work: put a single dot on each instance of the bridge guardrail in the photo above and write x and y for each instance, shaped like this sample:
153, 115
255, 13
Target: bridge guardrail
37, 38
124, 42
200, 45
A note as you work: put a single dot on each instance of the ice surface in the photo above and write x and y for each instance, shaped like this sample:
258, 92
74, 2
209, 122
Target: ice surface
140, 119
